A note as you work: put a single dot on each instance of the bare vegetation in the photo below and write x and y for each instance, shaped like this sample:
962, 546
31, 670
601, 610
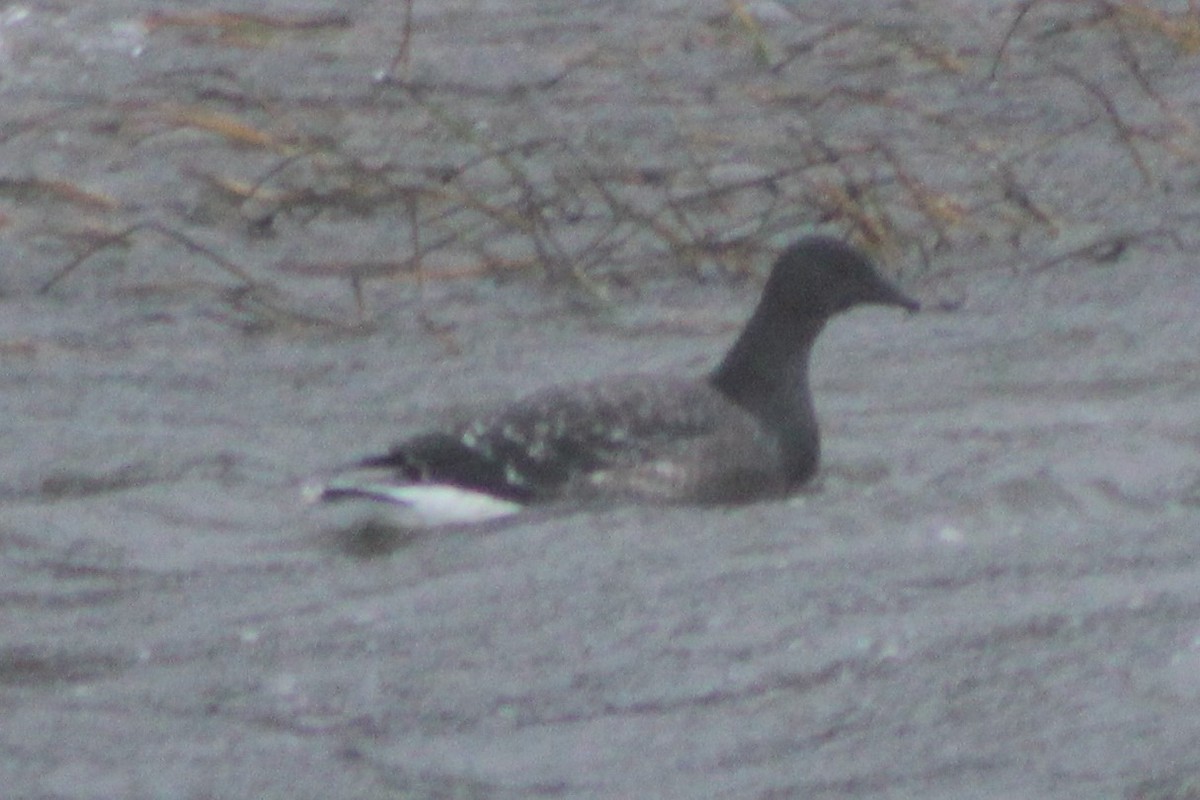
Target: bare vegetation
809, 121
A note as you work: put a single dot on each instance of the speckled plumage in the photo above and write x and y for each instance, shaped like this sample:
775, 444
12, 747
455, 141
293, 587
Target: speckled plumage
745, 432
608, 436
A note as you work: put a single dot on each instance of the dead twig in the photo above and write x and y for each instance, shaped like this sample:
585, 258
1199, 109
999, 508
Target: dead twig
1124, 131
122, 236
404, 50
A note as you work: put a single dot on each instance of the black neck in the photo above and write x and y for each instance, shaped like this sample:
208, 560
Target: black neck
766, 372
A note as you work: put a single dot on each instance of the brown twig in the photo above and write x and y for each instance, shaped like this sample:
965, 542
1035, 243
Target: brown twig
162, 230
404, 50
1123, 129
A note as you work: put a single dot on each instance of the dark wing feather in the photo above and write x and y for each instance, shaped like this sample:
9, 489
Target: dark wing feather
534, 449
443, 458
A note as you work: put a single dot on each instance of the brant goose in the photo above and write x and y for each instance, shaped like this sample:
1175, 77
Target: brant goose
745, 432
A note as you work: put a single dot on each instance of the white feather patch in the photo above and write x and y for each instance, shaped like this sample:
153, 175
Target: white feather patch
423, 503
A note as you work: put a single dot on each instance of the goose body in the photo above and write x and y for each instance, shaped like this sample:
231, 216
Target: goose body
746, 431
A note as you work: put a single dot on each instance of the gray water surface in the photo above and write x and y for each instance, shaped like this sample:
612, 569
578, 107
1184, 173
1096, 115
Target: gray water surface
992, 589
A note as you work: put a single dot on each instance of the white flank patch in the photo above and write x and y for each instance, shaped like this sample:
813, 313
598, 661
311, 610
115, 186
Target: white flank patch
425, 503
